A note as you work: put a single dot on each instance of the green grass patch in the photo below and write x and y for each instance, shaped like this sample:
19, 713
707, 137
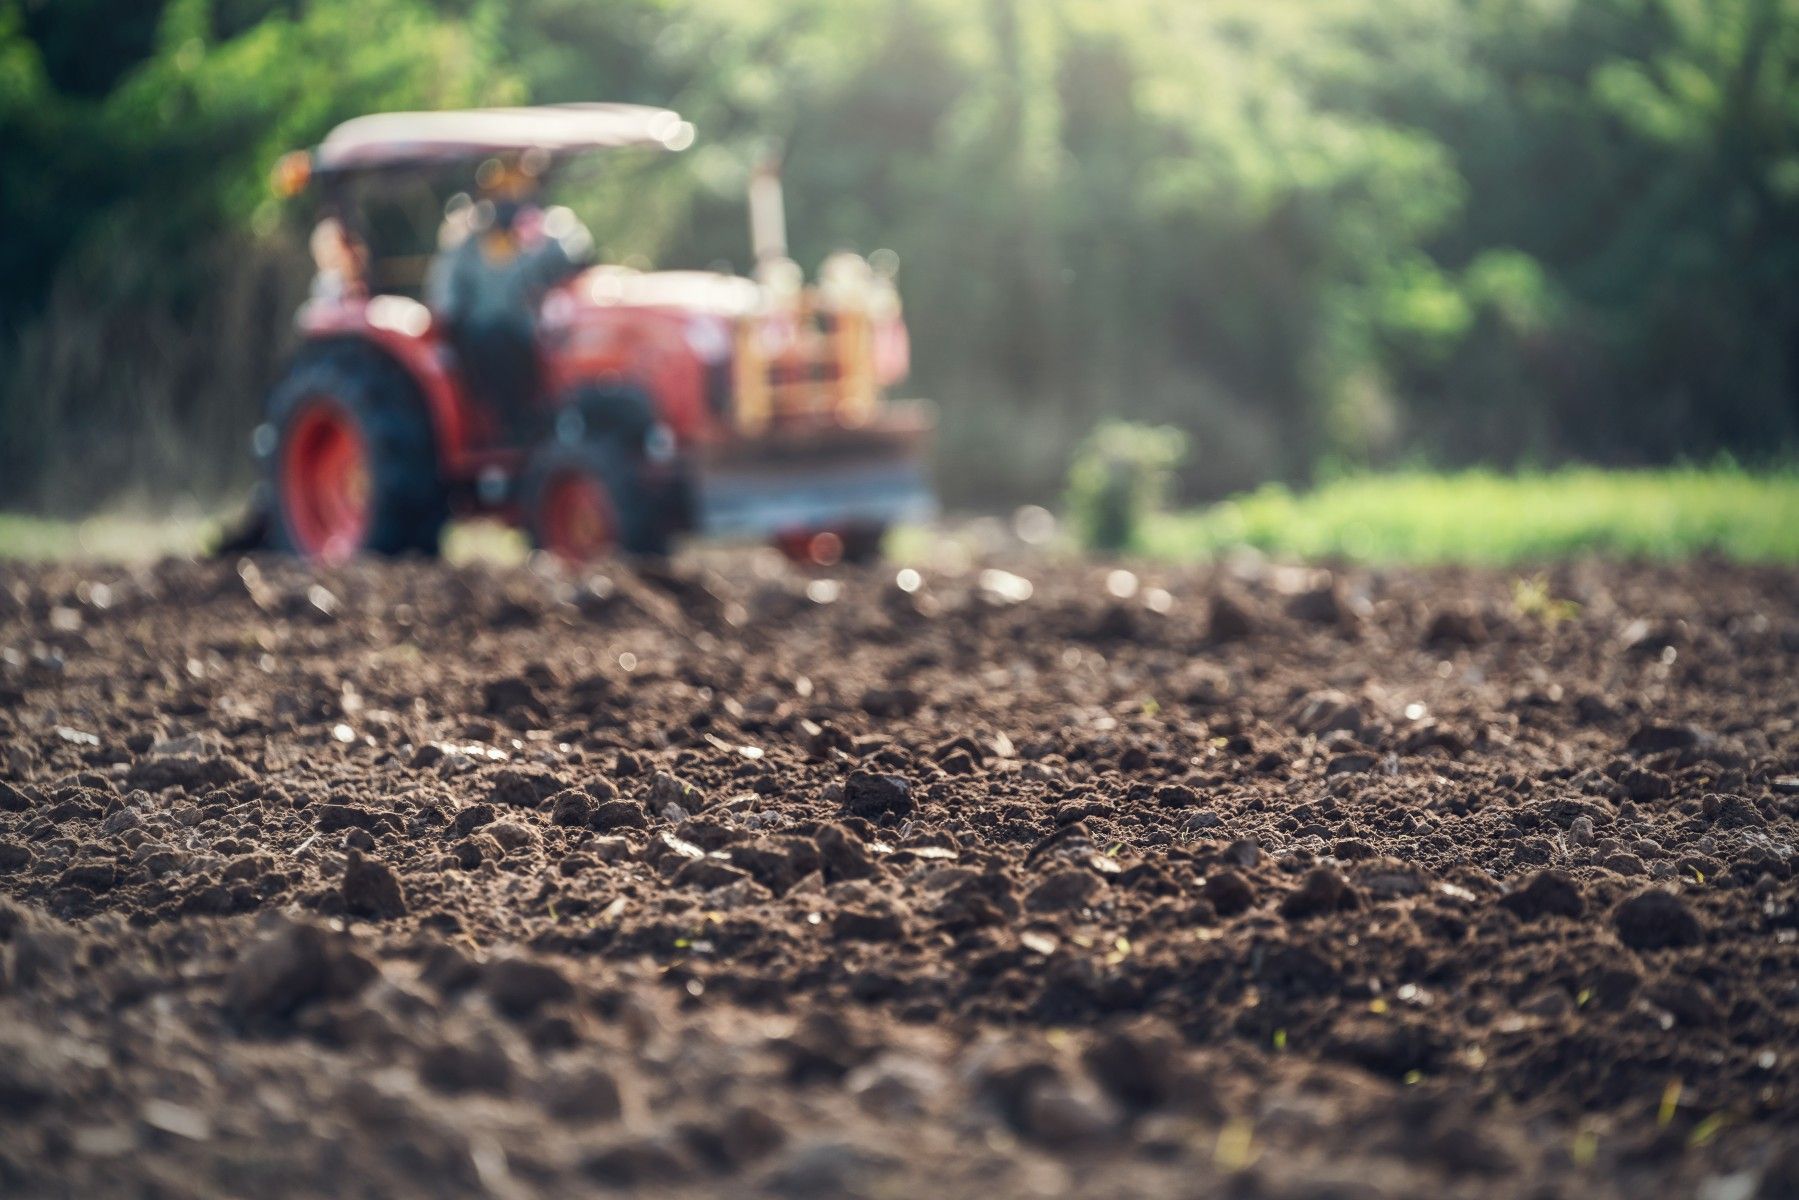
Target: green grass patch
1485, 517
118, 537
115, 537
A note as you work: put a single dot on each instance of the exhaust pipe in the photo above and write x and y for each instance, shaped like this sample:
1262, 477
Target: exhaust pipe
768, 212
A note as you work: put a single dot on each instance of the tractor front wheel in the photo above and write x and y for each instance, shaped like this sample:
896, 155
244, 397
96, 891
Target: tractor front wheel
856, 545
586, 500
354, 466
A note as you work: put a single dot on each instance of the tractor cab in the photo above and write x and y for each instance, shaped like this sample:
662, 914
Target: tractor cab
661, 403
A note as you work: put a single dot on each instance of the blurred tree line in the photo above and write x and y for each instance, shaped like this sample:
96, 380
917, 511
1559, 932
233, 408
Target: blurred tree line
1306, 232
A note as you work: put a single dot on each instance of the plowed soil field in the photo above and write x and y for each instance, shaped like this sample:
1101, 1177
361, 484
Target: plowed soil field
1033, 879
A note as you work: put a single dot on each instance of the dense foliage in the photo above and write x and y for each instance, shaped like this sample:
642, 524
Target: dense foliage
1303, 231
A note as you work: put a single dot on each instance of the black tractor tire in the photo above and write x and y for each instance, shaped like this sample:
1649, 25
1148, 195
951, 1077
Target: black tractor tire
612, 411
862, 544
406, 503
639, 524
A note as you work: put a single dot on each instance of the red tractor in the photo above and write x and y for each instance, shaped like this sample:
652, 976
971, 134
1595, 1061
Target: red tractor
662, 403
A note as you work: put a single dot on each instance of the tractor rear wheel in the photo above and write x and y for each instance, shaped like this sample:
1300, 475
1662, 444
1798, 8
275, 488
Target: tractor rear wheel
586, 500
353, 468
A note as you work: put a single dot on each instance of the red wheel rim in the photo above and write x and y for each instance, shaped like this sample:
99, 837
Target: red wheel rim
576, 520
325, 483
820, 548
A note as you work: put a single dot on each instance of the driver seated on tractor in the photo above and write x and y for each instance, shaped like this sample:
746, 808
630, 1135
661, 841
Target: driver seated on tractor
497, 259
341, 259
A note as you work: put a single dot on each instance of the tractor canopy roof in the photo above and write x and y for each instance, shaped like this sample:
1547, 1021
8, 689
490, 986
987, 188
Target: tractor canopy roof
425, 139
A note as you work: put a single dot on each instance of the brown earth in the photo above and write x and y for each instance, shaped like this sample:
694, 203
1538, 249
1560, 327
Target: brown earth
415, 881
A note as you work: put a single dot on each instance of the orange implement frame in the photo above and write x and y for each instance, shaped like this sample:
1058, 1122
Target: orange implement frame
814, 366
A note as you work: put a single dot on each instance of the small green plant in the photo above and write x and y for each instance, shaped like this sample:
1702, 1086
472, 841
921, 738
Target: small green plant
1531, 598
1119, 477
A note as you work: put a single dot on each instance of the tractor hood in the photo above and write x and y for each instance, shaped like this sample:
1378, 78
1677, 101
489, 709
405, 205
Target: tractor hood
698, 292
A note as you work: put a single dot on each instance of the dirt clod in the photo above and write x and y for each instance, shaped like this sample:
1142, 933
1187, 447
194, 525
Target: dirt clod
370, 887
1656, 920
519, 985
293, 964
1546, 893
1229, 620
872, 796
1322, 890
